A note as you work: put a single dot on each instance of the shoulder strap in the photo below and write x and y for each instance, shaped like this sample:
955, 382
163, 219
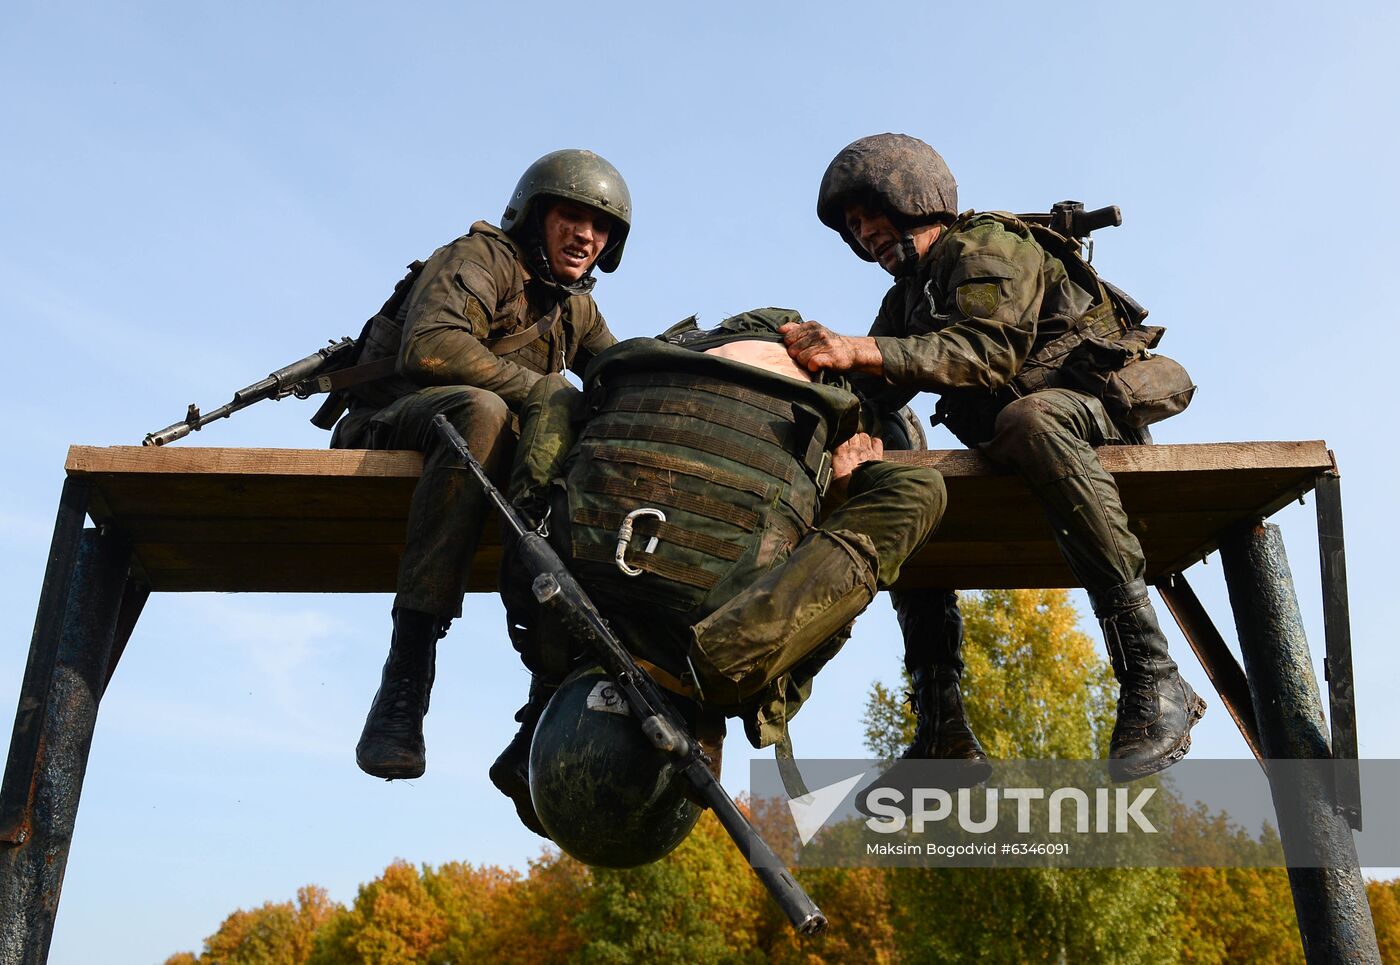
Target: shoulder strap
512, 343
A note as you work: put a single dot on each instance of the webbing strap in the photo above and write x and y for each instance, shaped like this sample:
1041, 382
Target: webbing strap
745, 455
506, 344
672, 570
700, 383
686, 467
642, 493
725, 419
666, 532
793, 783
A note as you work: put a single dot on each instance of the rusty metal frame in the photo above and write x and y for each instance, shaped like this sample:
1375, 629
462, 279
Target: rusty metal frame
88, 606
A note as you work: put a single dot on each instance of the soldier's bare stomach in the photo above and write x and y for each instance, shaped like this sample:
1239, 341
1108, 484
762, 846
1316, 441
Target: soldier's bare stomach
771, 356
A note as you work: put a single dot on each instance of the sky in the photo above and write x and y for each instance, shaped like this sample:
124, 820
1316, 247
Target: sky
195, 194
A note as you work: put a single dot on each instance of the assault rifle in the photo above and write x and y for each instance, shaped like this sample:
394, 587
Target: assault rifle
302, 379
555, 587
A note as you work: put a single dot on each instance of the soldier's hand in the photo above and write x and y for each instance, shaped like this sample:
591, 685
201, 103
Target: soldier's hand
858, 449
815, 347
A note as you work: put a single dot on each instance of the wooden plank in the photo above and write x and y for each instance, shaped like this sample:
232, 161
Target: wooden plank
198, 460
333, 520
165, 460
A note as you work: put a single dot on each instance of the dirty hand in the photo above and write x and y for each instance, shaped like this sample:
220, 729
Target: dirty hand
845, 458
815, 347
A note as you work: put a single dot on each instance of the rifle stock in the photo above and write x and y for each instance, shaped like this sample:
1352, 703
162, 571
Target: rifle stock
555, 587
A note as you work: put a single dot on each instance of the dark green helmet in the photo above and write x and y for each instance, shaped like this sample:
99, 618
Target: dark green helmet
580, 176
605, 795
897, 173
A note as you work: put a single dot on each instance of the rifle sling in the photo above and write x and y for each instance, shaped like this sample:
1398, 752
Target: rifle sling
511, 343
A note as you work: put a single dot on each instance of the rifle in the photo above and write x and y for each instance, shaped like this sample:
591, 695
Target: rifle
302, 379
1071, 220
555, 587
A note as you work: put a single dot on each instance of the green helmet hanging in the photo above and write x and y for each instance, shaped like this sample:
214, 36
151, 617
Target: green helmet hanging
580, 176
605, 795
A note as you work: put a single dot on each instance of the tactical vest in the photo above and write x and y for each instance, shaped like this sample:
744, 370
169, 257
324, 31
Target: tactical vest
1102, 351
735, 458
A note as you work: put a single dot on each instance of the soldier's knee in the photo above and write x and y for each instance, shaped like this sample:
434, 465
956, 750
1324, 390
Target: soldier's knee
1025, 428
917, 490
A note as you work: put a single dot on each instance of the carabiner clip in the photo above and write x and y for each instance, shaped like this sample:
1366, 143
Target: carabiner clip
624, 537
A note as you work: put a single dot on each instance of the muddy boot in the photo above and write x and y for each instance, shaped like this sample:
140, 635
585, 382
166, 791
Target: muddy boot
511, 771
391, 745
1156, 707
932, 627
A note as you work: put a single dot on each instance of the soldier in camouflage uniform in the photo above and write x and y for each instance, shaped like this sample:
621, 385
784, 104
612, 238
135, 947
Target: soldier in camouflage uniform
473, 329
975, 300
739, 579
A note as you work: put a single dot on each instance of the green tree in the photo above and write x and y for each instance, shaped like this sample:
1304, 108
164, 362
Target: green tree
1035, 688
699, 904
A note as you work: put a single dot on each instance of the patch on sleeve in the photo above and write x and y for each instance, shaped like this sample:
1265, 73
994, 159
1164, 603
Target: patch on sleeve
607, 697
979, 299
478, 281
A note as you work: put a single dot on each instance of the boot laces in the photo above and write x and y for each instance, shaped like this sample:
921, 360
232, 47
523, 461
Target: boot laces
399, 704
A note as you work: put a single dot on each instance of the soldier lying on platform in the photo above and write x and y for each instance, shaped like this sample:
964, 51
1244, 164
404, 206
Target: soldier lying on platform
685, 488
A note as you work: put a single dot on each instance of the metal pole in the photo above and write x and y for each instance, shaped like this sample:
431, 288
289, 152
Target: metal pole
31, 868
1334, 918
1336, 626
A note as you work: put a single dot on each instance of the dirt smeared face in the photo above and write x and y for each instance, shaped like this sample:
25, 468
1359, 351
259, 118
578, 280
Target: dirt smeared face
574, 236
876, 233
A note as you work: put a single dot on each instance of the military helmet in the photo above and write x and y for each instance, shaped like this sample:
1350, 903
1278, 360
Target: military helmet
605, 795
900, 174
580, 176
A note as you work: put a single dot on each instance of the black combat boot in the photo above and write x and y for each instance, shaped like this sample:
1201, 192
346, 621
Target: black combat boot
932, 626
943, 733
391, 745
1156, 707
511, 771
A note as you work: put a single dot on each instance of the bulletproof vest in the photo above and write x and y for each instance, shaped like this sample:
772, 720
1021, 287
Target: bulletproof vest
733, 456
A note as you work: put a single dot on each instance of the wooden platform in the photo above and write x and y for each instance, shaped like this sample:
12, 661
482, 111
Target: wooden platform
299, 520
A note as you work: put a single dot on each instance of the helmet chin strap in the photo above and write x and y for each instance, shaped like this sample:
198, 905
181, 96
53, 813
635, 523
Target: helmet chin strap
907, 256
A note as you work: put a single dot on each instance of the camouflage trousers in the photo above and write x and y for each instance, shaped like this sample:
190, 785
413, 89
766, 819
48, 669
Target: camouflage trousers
1048, 438
448, 509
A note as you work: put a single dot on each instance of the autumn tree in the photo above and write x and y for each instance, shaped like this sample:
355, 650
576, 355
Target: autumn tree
273, 934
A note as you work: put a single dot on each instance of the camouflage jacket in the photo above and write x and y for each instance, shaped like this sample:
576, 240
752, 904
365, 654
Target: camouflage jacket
472, 291
979, 303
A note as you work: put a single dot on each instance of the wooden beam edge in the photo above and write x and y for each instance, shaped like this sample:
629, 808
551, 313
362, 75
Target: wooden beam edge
1211, 456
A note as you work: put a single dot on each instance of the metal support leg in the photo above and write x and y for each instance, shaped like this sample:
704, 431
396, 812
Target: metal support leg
1330, 902
1218, 662
75, 633
1336, 624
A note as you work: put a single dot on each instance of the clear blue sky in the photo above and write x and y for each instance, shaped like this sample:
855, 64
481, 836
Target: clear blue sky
196, 193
